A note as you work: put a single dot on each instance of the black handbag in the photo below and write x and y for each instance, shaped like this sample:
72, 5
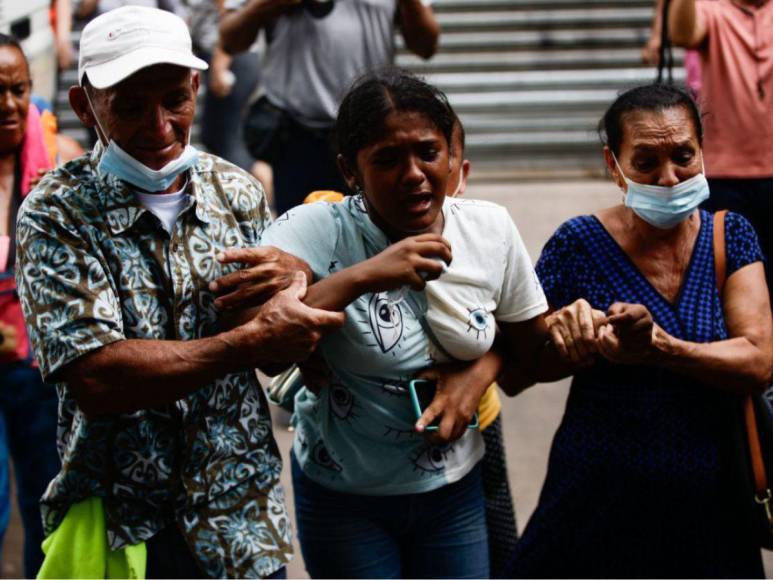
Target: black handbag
264, 125
754, 430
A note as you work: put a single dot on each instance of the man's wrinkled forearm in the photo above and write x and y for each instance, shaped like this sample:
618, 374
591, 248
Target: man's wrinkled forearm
133, 374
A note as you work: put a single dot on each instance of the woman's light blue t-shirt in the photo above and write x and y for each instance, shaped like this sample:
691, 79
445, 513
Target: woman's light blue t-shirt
358, 435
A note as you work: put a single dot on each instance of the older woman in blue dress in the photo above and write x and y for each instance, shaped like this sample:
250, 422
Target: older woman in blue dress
641, 479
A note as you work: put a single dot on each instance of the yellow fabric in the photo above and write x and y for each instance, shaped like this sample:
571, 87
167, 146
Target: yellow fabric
49, 125
324, 195
78, 548
489, 407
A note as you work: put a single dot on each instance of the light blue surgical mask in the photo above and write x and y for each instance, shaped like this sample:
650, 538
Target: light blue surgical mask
117, 162
665, 207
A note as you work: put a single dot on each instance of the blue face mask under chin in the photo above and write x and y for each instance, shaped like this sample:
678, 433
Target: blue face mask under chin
117, 162
665, 207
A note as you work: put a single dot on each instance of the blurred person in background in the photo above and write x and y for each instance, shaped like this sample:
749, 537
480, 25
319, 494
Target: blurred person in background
315, 49
87, 9
61, 22
651, 52
231, 80
29, 147
735, 41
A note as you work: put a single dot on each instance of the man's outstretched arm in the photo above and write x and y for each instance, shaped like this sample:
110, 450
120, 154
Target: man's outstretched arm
129, 375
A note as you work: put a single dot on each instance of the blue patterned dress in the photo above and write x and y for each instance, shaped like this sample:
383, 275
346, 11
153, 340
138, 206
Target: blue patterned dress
641, 479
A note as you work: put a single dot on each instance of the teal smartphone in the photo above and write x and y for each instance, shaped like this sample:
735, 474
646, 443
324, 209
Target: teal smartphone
422, 392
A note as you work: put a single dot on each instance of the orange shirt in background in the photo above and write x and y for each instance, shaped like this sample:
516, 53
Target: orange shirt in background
737, 92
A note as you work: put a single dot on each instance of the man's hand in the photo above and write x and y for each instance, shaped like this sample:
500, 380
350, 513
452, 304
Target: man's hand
9, 339
64, 53
456, 400
629, 335
284, 330
221, 79
650, 52
268, 271
221, 82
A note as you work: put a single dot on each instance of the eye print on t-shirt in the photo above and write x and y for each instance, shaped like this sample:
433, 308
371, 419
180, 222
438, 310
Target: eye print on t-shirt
322, 458
342, 403
478, 323
399, 433
432, 459
386, 322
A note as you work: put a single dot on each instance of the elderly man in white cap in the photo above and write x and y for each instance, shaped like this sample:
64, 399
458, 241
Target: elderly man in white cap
161, 415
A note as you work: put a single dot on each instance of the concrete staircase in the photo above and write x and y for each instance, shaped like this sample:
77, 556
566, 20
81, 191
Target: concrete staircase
531, 78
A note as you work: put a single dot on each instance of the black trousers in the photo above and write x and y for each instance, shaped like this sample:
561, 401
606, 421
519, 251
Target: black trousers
170, 557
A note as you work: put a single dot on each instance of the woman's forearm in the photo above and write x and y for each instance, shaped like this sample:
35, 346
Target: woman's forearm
129, 375
549, 366
735, 364
337, 291
529, 356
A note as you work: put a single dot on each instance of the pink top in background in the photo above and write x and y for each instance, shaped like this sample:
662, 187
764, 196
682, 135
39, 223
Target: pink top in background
33, 155
737, 90
692, 66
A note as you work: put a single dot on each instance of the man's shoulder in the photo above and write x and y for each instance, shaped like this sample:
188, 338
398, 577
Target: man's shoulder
71, 187
226, 184
216, 170
210, 164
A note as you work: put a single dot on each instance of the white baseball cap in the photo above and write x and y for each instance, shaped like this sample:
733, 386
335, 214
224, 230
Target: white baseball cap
118, 43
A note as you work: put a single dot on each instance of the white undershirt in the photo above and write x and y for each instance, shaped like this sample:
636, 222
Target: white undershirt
165, 206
